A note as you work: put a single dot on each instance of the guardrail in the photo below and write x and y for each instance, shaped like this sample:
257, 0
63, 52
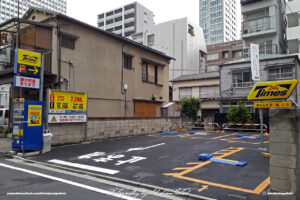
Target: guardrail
237, 124
215, 125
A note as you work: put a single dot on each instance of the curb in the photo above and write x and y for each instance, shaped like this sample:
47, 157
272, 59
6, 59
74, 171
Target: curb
124, 181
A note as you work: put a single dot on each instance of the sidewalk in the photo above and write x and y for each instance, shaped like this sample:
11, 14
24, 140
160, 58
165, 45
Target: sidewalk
5, 145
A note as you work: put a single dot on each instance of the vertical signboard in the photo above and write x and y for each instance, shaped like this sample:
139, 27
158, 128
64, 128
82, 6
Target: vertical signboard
254, 48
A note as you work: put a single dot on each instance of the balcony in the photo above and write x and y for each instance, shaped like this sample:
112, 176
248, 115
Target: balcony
128, 29
131, 19
129, 11
110, 26
100, 20
258, 27
109, 17
118, 15
245, 2
263, 49
118, 32
243, 85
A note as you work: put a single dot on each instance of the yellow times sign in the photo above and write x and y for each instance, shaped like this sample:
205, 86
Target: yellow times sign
29, 58
272, 90
67, 102
286, 104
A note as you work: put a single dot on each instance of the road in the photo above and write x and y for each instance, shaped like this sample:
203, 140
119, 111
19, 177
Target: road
171, 161
21, 180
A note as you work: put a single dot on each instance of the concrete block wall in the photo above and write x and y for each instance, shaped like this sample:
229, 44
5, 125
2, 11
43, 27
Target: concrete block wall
110, 128
67, 133
284, 150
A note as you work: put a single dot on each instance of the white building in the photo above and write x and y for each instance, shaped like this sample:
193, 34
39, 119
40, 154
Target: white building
293, 30
180, 39
9, 8
126, 20
4, 95
219, 20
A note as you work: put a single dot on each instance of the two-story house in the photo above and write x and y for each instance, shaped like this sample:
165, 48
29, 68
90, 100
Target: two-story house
204, 86
122, 78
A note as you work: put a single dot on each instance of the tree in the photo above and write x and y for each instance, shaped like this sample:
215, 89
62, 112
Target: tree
239, 114
190, 107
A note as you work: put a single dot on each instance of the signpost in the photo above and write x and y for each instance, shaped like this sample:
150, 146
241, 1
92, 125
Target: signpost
270, 91
27, 63
254, 50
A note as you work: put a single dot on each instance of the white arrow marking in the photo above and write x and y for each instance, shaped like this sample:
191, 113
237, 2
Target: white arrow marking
143, 148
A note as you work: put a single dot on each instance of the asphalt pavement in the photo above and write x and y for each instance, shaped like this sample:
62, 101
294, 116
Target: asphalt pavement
171, 161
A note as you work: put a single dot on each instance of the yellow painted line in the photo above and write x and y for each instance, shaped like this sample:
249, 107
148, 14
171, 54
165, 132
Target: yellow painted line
265, 154
223, 136
262, 186
180, 168
204, 187
257, 190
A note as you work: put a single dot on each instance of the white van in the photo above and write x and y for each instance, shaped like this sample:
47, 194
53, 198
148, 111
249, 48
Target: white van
4, 115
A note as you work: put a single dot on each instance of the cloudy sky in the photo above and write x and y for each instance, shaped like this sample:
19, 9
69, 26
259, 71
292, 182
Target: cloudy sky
164, 10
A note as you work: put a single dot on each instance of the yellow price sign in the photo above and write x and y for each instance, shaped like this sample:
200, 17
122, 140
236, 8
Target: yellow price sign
286, 104
272, 90
67, 102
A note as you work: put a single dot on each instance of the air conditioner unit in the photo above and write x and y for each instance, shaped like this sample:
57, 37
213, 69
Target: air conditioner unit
246, 53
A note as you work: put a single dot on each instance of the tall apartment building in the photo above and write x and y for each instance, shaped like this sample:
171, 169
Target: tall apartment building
126, 20
182, 40
264, 24
9, 8
293, 16
219, 20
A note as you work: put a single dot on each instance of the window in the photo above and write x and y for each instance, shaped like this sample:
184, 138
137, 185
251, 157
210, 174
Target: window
150, 73
185, 92
150, 40
209, 92
127, 61
191, 30
225, 54
68, 42
214, 56
237, 54
241, 79
279, 73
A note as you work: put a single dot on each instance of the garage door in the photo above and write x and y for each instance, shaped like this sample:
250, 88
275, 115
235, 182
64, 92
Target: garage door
144, 109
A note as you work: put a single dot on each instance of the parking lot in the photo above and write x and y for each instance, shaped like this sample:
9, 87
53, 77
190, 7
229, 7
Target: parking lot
171, 161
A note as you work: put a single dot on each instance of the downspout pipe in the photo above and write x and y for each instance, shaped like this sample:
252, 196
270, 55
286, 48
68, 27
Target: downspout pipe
59, 56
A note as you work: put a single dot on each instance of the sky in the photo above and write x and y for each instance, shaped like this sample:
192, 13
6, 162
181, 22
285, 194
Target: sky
164, 10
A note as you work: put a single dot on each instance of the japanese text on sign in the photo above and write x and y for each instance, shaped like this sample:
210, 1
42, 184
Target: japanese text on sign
66, 118
27, 82
67, 102
287, 104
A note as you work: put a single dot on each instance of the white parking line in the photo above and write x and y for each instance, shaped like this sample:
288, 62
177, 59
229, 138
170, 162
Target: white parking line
144, 148
70, 182
81, 166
